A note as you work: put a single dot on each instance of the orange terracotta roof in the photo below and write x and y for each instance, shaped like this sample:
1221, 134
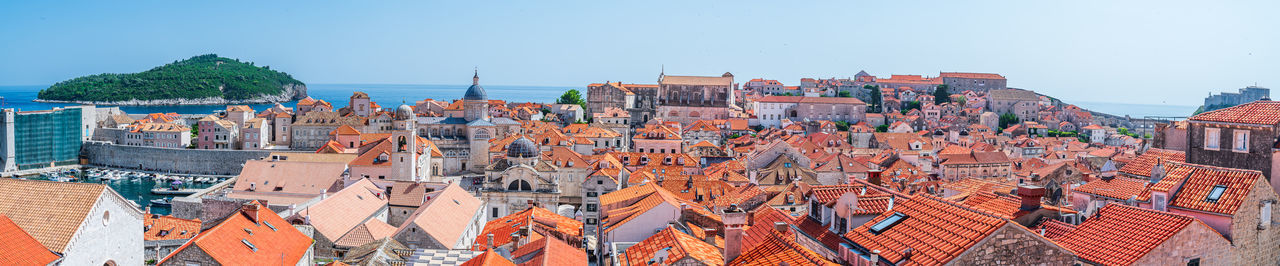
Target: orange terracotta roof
1053, 229
549, 251
1199, 181
936, 229
345, 210
445, 218
369, 231
240, 239
780, 250
166, 227
1120, 234
678, 246
488, 258
20, 248
51, 212
620, 207
543, 219
1006, 207
762, 221
1255, 113
1119, 188
344, 130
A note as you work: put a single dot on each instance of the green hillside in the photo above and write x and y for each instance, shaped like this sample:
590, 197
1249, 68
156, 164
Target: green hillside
201, 76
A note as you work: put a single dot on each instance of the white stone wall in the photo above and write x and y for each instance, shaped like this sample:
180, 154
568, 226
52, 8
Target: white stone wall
111, 233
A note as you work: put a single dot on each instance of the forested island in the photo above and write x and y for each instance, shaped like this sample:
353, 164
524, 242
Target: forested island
203, 79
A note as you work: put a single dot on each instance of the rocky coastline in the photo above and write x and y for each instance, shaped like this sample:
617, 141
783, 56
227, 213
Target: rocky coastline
291, 92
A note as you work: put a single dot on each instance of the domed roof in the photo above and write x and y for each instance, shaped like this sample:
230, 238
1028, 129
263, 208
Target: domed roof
404, 112
522, 148
475, 92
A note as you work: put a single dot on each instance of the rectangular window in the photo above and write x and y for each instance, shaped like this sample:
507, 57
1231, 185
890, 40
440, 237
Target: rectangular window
1211, 140
1241, 140
1216, 193
887, 223
495, 212
591, 207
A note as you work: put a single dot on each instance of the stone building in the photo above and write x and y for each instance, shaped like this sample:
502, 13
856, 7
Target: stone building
522, 179
311, 131
771, 110
1022, 103
979, 82
1242, 137
1229, 99
685, 99
639, 100
464, 140
975, 164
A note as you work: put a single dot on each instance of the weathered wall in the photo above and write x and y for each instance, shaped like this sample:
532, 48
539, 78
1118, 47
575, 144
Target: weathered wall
1014, 245
191, 161
1194, 242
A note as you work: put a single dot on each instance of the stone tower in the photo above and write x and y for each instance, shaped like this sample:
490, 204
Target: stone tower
404, 159
475, 105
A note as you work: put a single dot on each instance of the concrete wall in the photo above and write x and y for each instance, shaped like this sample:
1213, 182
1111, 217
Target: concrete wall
220, 162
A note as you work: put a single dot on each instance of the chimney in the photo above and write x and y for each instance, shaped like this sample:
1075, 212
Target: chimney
515, 241
1030, 197
734, 219
875, 257
711, 236
250, 210
873, 177
780, 226
490, 243
1157, 171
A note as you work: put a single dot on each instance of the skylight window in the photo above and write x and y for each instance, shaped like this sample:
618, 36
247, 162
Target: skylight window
273, 228
887, 223
251, 246
1216, 193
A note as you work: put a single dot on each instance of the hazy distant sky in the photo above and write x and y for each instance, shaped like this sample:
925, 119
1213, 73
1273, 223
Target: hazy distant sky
1149, 52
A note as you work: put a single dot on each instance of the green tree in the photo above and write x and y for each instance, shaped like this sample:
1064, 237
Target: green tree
882, 128
573, 96
842, 125
874, 100
202, 76
845, 94
940, 95
907, 106
1008, 119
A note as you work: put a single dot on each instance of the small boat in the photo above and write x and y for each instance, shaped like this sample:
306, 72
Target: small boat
161, 202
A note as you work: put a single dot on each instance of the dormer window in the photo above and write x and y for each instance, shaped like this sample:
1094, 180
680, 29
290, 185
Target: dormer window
1216, 193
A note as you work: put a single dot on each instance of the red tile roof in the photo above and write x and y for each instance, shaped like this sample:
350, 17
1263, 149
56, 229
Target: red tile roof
549, 251
937, 231
1053, 229
762, 221
1120, 234
778, 249
273, 240
1257, 113
20, 248
1200, 180
543, 219
446, 217
1142, 165
488, 258
678, 246
168, 228
1119, 188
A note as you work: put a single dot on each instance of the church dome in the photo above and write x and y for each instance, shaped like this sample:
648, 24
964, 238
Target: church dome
404, 112
475, 92
522, 148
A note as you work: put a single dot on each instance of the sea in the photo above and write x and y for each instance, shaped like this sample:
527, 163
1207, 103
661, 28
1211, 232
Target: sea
387, 95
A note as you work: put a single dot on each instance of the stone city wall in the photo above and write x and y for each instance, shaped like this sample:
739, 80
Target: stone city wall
185, 161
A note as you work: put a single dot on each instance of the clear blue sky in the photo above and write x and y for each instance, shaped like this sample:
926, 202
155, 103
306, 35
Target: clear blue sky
1148, 52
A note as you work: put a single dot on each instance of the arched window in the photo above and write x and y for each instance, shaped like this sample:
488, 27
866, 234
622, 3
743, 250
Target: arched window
695, 114
519, 185
674, 113
403, 142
